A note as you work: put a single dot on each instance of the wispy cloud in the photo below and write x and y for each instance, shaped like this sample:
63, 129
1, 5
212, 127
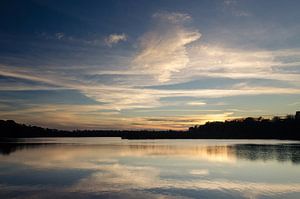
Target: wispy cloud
233, 7
196, 103
114, 39
172, 17
163, 48
59, 35
221, 61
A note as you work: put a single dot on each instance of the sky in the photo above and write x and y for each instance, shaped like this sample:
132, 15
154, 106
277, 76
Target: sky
126, 64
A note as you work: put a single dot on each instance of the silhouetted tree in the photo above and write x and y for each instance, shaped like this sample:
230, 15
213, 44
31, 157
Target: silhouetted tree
248, 128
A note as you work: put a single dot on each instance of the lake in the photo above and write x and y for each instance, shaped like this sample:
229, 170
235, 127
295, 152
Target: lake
114, 168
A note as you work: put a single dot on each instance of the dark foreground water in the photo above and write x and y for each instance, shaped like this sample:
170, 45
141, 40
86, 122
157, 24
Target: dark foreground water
114, 168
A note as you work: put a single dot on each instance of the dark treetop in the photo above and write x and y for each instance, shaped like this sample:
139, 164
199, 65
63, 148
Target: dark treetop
247, 128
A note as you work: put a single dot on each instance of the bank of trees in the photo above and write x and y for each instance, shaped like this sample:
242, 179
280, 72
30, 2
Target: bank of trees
246, 128
250, 128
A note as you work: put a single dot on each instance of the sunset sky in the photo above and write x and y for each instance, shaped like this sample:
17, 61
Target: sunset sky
147, 64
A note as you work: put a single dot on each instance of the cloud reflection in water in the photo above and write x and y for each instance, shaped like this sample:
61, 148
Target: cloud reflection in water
153, 169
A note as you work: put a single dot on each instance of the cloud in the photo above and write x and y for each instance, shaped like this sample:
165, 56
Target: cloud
163, 50
59, 35
118, 98
179, 122
172, 17
209, 60
233, 7
196, 103
114, 39
229, 2
241, 13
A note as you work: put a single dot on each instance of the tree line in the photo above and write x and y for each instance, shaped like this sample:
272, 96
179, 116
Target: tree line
251, 128
245, 128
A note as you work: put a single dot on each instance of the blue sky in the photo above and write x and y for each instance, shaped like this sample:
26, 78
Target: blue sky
147, 64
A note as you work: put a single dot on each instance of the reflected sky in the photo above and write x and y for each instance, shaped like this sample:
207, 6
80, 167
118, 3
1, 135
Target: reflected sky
115, 168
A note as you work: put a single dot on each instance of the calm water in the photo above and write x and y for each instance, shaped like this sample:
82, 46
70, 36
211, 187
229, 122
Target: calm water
115, 168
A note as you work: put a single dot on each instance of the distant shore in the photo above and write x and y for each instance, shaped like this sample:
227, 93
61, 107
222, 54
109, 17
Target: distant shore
287, 128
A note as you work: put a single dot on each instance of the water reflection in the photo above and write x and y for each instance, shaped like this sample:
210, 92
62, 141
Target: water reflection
8, 148
282, 152
113, 168
279, 152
